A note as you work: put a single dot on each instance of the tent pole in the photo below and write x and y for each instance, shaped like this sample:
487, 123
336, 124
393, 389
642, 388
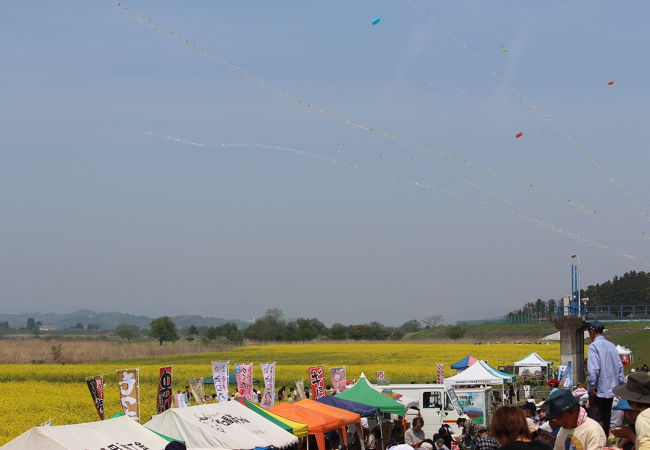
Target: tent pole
381, 429
360, 434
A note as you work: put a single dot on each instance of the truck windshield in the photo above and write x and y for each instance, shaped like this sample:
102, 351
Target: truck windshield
455, 402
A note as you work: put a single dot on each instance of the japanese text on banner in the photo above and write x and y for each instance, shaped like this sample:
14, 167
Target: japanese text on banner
268, 372
337, 375
128, 380
96, 388
317, 381
164, 398
220, 378
244, 374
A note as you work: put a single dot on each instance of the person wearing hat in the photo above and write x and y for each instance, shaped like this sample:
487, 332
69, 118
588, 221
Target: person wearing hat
604, 373
625, 433
469, 431
578, 431
484, 441
637, 393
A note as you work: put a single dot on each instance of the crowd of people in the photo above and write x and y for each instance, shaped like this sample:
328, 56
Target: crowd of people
611, 411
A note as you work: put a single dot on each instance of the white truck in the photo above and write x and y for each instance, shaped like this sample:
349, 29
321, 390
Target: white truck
439, 404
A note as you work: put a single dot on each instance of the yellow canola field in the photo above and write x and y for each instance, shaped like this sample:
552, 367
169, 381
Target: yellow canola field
33, 394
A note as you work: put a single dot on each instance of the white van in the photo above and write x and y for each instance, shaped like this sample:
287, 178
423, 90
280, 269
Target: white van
440, 405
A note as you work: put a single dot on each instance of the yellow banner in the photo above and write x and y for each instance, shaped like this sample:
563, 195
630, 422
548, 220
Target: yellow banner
128, 380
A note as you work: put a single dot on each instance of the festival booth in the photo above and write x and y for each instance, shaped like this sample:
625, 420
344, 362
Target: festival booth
111, 433
224, 425
480, 374
347, 417
296, 428
363, 392
625, 354
318, 423
532, 365
463, 363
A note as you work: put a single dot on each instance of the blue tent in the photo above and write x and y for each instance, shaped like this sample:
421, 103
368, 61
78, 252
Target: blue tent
464, 363
349, 405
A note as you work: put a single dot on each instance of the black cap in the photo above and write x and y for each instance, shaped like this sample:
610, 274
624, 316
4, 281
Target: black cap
593, 326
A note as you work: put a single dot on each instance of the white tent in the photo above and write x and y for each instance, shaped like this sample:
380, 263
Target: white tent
532, 360
531, 364
227, 424
112, 433
479, 373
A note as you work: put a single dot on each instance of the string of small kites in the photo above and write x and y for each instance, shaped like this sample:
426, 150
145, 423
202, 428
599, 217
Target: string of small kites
512, 209
487, 68
394, 138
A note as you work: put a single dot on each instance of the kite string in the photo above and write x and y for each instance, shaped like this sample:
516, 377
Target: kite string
400, 141
512, 209
486, 66
527, 215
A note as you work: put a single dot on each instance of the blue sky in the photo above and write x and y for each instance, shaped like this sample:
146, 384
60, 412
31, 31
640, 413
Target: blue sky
100, 210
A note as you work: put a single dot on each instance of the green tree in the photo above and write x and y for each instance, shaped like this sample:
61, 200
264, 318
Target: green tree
456, 332
31, 324
410, 326
163, 329
338, 332
270, 327
127, 332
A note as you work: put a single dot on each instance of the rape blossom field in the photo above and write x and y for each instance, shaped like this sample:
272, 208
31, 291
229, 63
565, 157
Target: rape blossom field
31, 395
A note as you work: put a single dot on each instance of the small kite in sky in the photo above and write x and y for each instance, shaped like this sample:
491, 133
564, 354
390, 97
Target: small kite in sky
504, 50
518, 135
376, 20
611, 83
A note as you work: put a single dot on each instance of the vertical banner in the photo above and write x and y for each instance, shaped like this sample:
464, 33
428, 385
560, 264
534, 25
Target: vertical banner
300, 388
268, 372
337, 376
196, 386
381, 375
165, 392
244, 373
128, 380
317, 382
96, 388
220, 378
567, 377
440, 373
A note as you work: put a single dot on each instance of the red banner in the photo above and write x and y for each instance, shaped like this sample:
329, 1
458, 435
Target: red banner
317, 381
337, 375
165, 390
96, 388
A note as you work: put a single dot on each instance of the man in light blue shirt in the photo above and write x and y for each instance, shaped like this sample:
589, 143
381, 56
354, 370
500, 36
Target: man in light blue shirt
604, 373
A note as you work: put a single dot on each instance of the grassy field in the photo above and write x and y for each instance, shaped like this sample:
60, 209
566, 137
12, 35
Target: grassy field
33, 394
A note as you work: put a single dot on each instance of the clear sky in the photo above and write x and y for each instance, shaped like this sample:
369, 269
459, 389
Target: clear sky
344, 223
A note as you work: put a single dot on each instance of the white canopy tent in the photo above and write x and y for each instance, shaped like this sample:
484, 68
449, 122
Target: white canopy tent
117, 432
227, 425
479, 373
531, 364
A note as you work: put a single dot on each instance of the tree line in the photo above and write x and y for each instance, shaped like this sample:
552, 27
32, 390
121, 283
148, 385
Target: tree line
632, 288
272, 326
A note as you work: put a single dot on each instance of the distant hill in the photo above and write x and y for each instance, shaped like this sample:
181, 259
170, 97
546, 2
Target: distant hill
109, 320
